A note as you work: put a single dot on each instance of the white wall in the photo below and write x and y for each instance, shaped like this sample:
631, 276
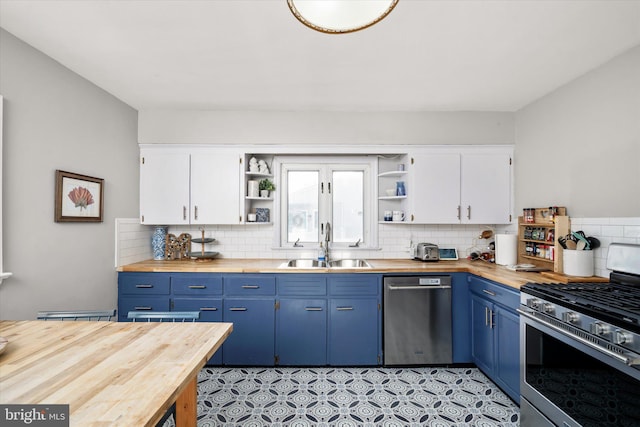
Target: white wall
323, 129
579, 146
54, 119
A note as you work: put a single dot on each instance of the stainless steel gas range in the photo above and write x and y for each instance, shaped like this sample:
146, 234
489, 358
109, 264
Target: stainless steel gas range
580, 348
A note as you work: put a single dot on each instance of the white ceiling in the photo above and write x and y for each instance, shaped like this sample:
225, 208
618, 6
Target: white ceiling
427, 55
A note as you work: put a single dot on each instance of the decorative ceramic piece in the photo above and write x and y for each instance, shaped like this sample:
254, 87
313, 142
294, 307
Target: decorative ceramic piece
262, 214
158, 242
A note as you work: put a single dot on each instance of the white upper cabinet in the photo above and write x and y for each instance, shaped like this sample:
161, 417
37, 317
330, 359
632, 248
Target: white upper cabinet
164, 187
435, 179
485, 190
189, 186
461, 186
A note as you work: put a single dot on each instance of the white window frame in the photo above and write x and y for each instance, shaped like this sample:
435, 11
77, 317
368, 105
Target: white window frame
326, 165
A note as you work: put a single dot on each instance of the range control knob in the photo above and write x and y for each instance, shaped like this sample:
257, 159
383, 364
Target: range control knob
549, 308
570, 317
598, 328
533, 303
621, 337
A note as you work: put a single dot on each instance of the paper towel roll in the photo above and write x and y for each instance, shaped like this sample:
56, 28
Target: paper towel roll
506, 249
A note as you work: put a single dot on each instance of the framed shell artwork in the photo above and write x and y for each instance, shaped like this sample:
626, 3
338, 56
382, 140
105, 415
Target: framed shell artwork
79, 198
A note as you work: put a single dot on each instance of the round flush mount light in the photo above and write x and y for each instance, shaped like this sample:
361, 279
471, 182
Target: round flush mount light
340, 16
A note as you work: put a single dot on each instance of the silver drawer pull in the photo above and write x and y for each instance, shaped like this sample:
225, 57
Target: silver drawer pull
238, 309
344, 308
208, 309
144, 286
142, 308
197, 287
313, 308
493, 294
250, 287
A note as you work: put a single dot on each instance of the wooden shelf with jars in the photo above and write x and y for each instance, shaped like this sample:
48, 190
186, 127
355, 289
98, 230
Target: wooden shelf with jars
538, 238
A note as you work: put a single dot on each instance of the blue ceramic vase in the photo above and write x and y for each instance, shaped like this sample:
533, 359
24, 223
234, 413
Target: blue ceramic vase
159, 242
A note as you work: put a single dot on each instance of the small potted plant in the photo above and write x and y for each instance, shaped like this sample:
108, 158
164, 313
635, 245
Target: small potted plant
265, 187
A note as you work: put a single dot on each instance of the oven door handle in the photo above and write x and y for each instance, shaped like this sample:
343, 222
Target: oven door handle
629, 361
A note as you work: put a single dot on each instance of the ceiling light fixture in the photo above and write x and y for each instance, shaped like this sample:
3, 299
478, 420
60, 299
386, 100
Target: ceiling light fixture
340, 16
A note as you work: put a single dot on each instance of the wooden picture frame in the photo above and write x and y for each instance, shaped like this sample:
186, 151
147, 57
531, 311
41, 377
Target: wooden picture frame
78, 198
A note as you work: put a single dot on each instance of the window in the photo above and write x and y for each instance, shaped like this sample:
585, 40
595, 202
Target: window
320, 191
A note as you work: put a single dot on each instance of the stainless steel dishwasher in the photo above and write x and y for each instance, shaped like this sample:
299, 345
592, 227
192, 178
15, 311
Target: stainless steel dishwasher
417, 320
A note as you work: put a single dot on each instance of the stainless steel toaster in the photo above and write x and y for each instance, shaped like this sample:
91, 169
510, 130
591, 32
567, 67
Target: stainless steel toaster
426, 252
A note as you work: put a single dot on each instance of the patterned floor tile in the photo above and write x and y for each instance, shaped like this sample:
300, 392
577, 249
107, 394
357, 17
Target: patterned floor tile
318, 397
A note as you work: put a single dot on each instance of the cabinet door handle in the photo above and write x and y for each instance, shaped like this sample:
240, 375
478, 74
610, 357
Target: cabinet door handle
344, 308
486, 316
197, 287
208, 309
488, 292
238, 309
459, 212
469, 212
144, 286
491, 324
313, 308
195, 212
142, 308
250, 287
184, 213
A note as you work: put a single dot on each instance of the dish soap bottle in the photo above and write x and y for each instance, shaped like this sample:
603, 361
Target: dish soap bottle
321, 254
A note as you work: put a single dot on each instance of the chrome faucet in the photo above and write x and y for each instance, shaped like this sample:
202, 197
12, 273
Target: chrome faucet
327, 239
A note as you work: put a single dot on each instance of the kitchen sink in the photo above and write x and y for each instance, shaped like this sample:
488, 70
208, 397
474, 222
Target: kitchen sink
349, 263
304, 263
314, 263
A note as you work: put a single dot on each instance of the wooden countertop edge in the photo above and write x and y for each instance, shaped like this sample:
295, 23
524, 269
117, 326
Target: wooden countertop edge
483, 269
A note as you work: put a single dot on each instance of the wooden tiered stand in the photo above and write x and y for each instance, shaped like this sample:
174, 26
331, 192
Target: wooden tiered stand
559, 225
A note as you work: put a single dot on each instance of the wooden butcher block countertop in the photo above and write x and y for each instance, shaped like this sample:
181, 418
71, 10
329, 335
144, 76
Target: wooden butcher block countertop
484, 269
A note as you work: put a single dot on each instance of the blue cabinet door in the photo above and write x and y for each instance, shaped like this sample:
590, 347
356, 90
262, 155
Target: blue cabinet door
353, 331
507, 352
252, 342
210, 311
482, 334
301, 334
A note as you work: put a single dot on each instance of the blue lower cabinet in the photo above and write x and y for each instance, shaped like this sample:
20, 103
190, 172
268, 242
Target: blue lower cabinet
301, 332
353, 331
507, 356
461, 318
143, 292
252, 342
482, 334
495, 333
210, 311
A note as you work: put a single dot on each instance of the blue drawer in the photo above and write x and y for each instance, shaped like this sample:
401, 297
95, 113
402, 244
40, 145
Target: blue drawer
249, 284
494, 292
142, 303
210, 308
144, 284
195, 284
354, 284
301, 285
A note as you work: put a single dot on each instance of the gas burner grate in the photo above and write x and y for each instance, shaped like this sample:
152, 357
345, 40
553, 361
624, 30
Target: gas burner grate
618, 300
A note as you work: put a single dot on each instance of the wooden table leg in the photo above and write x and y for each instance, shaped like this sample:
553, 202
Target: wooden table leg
186, 405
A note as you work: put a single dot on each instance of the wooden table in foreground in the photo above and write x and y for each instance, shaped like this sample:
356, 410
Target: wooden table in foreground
120, 374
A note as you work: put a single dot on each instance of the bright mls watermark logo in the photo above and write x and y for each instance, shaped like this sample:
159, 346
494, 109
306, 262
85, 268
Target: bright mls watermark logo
34, 415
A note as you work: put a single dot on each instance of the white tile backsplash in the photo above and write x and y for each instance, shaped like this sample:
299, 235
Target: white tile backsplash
133, 241
608, 230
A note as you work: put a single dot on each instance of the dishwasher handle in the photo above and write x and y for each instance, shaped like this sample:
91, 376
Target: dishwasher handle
403, 288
